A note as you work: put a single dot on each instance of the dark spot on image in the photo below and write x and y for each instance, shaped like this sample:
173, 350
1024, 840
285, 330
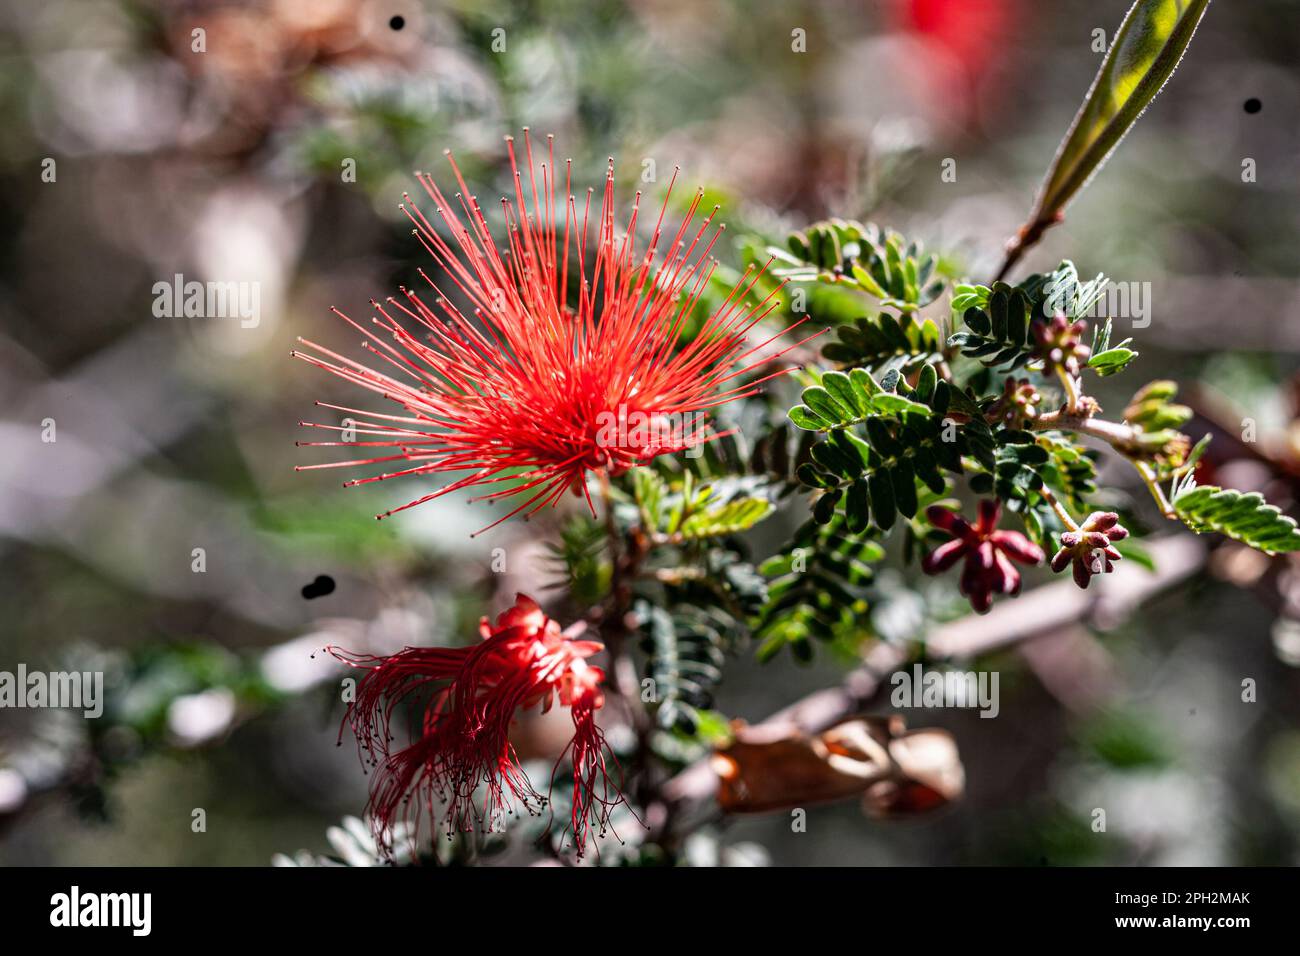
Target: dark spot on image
397, 22
1252, 105
323, 585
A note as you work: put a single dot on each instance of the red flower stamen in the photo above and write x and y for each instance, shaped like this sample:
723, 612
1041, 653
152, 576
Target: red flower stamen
529, 399
470, 697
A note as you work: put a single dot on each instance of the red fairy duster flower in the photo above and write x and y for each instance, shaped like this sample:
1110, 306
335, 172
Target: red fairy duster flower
577, 359
468, 698
988, 553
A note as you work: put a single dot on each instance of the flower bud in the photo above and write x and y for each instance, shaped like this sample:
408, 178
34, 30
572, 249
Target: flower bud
1089, 548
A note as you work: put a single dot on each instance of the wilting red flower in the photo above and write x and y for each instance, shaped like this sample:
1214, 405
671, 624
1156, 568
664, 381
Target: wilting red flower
986, 551
1088, 547
578, 361
469, 698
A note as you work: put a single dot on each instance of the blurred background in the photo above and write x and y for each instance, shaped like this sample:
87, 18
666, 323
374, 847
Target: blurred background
270, 142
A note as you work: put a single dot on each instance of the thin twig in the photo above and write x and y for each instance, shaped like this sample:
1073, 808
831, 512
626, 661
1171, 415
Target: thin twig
1038, 613
1025, 239
1122, 437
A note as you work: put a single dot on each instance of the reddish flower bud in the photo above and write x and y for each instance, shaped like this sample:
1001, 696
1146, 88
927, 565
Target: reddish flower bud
1017, 405
1060, 343
988, 553
1089, 549
524, 661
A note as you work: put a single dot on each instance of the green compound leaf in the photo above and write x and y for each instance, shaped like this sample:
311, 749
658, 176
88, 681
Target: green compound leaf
1244, 517
818, 588
998, 333
863, 257
845, 399
684, 658
874, 466
885, 342
693, 511
730, 518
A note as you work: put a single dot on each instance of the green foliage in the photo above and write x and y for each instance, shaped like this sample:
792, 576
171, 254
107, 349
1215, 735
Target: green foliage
705, 591
1108, 359
965, 296
581, 560
1153, 410
691, 511
844, 399
1070, 469
1244, 517
885, 343
1026, 462
735, 516
1147, 47
863, 257
1062, 291
686, 631
1126, 741
818, 588
907, 436
649, 491
999, 319
1018, 465
685, 656
997, 333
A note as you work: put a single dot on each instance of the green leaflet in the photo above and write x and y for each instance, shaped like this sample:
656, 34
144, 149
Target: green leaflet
1111, 361
818, 589
965, 295
884, 342
1243, 517
580, 559
846, 399
998, 334
863, 257
730, 518
1146, 49
880, 444
696, 511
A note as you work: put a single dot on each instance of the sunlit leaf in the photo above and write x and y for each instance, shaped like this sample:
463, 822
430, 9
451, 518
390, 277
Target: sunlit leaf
1146, 49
